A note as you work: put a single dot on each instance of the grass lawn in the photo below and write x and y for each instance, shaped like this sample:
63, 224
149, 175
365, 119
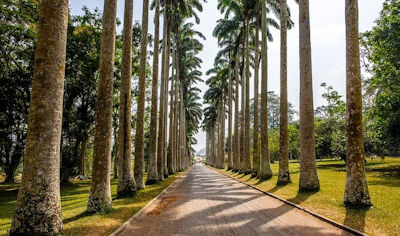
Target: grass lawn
74, 197
383, 178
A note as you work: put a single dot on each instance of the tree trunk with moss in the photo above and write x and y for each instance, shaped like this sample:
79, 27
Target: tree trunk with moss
236, 141
100, 194
256, 149
165, 117
356, 191
229, 140
265, 171
152, 176
221, 160
242, 116
83, 157
38, 207
139, 141
283, 177
247, 159
126, 183
308, 170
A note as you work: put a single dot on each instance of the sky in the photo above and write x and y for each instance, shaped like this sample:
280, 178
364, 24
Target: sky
327, 38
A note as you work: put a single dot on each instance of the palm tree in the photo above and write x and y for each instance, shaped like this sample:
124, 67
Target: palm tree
356, 191
256, 149
265, 172
283, 176
139, 141
126, 182
308, 170
230, 96
100, 193
152, 176
38, 207
236, 160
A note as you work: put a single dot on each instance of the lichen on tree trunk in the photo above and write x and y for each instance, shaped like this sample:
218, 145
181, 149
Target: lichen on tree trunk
152, 176
308, 170
283, 176
236, 143
100, 194
38, 207
356, 191
139, 140
265, 172
256, 148
126, 182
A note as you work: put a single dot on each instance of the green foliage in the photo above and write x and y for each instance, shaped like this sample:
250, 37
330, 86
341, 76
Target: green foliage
18, 33
381, 51
330, 126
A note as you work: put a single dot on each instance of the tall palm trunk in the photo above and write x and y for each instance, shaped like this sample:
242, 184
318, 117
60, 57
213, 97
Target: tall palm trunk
139, 141
38, 207
126, 182
236, 149
242, 116
230, 161
171, 150
83, 157
265, 172
247, 158
212, 156
172, 130
208, 147
356, 191
308, 171
165, 118
100, 194
256, 149
152, 176
221, 163
182, 127
283, 177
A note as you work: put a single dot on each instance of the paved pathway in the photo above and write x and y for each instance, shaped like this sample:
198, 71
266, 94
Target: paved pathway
205, 202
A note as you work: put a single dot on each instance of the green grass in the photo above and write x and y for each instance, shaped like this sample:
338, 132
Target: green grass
383, 178
74, 197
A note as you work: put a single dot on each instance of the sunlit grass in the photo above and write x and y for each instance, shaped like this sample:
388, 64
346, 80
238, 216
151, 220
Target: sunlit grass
383, 178
74, 197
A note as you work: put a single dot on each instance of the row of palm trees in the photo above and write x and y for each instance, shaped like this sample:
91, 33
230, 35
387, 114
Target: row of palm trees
238, 38
38, 208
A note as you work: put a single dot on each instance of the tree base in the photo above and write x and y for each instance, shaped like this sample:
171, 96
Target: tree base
283, 179
265, 176
37, 215
95, 205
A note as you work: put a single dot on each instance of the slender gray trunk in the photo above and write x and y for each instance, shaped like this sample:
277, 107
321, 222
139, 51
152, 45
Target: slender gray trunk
126, 182
38, 207
256, 148
356, 191
283, 177
265, 172
100, 194
139, 141
236, 149
308, 170
152, 175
